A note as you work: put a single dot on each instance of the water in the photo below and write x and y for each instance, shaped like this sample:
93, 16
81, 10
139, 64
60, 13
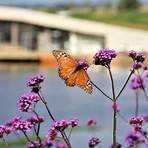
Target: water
66, 102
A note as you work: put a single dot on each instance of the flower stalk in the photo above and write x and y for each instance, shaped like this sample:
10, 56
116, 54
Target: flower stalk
65, 138
115, 110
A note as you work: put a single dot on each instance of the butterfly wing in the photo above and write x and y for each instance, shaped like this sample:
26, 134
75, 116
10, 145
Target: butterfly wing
66, 63
81, 79
67, 66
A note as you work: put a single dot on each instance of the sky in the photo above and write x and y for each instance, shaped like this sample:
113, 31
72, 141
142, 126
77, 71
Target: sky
48, 2
52, 2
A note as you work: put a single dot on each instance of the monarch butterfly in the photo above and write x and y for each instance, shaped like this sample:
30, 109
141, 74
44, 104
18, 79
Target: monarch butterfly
71, 71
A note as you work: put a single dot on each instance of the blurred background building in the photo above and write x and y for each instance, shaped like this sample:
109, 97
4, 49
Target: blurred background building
25, 31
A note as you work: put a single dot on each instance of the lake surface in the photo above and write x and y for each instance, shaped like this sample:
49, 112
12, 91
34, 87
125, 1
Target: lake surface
66, 102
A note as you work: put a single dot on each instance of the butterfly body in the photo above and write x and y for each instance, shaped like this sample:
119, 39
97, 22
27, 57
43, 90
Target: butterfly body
71, 71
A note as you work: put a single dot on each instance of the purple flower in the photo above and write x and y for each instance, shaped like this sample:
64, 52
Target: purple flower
134, 138
52, 133
140, 57
93, 142
91, 122
137, 123
132, 54
136, 82
83, 63
137, 56
49, 143
10, 123
61, 145
35, 120
22, 125
26, 101
145, 118
145, 67
60, 125
17, 124
104, 57
146, 144
35, 144
73, 122
4, 130
137, 65
145, 75
35, 80
118, 145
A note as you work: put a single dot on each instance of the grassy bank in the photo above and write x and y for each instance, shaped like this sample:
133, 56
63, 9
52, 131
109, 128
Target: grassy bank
134, 19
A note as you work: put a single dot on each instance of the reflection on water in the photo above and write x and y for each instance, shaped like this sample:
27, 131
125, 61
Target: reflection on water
68, 102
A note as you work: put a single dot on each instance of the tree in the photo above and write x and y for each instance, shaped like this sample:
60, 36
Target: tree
128, 4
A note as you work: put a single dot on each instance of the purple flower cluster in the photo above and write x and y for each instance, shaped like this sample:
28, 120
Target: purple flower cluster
91, 122
73, 122
145, 75
137, 123
26, 101
138, 57
93, 142
48, 143
45, 144
104, 57
134, 138
35, 80
22, 125
137, 82
4, 131
35, 119
52, 133
84, 64
145, 117
60, 126
35, 144
17, 124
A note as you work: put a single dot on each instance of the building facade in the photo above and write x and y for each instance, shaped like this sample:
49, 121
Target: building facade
41, 32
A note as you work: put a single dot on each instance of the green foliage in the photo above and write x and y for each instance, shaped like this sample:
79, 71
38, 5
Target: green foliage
14, 143
129, 4
134, 19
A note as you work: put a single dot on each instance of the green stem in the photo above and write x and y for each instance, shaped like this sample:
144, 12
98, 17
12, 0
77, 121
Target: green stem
7, 146
125, 84
65, 138
45, 103
143, 86
26, 136
37, 136
146, 96
115, 110
70, 132
38, 127
101, 91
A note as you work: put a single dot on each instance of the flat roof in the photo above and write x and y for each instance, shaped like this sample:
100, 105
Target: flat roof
48, 20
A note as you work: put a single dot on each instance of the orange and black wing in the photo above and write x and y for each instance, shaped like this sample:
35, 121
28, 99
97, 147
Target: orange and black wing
66, 64
81, 79
67, 71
